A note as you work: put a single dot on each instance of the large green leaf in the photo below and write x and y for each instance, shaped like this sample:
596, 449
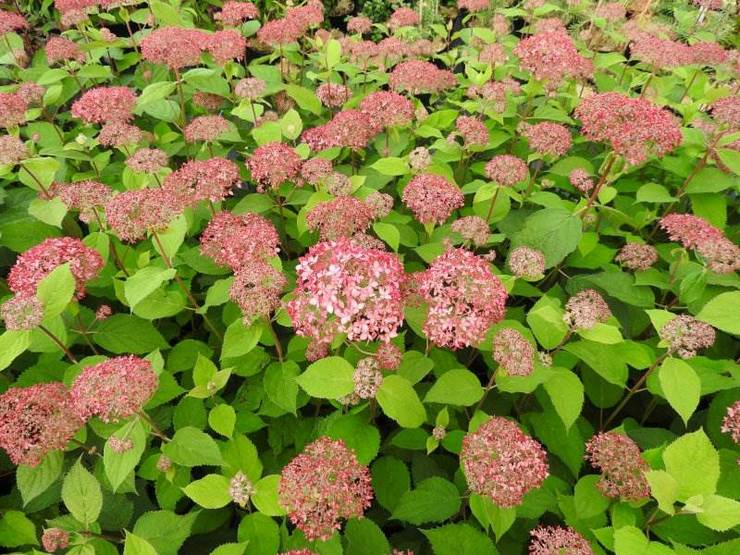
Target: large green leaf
192, 447
119, 465
456, 387
82, 495
328, 378
681, 386
553, 231
722, 312
32, 481
124, 333
459, 539
693, 462
399, 401
434, 500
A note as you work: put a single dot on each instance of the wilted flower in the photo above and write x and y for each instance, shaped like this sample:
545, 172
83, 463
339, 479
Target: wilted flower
197, 180
556, 540
35, 421
132, 214
502, 463
432, 198
22, 312
381, 204
621, 464
206, 128
416, 77
685, 335
513, 352
464, 299
272, 164
636, 256
585, 309
323, 485
105, 105
333, 95
241, 489
256, 289
12, 150
258, 239
84, 196
473, 229
731, 422
367, 378
527, 263
547, 138
147, 160
114, 389
340, 217
420, 158
54, 539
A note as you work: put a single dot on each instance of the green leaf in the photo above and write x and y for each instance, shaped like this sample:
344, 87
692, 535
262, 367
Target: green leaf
664, 488
681, 386
241, 454
118, 466
391, 480
719, 513
172, 237
82, 495
56, 290
722, 311
693, 462
50, 212
602, 333
587, 498
210, 492
124, 333
391, 166
12, 344
328, 378
16, 530
231, 549
32, 481
280, 384
491, 515
305, 98
222, 419
144, 282
266, 497
546, 321
459, 539
261, 532
654, 193
165, 530
192, 447
137, 546
434, 500
358, 435
291, 125
711, 180
603, 359
364, 537
43, 169
456, 387
554, 231
166, 14
333, 53
566, 393
153, 93
240, 339
399, 401
388, 233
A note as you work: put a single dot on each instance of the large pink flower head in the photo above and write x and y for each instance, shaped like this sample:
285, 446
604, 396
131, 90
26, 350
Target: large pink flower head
10, 22
280, 31
432, 198
235, 13
233, 241
322, 486
308, 15
273, 164
343, 287
132, 214
556, 540
548, 138
37, 262
359, 24
708, 53
403, 17
513, 352
84, 196
118, 133
198, 180
551, 57
416, 77
474, 5
256, 290
340, 217
60, 49
621, 464
176, 47
731, 422
726, 112
720, 255
114, 389
387, 109
473, 131
660, 53
634, 127
12, 109
464, 299
348, 128
12, 150
686, 335
689, 230
36, 420
226, 45
585, 309
333, 95
22, 312
502, 462
105, 104
506, 170
206, 128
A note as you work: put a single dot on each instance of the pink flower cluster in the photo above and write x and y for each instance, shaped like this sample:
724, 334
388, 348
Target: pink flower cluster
551, 57
12, 109
175, 47
416, 77
10, 22
403, 17
323, 485
557, 540
258, 239
84, 196
132, 214
333, 95
118, 133
527, 263
147, 160
37, 262
621, 464
256, 289
386, 109
235, 13
636, 256
731, 422
686, 335
473, 131
432, 198
105, 105
348, 128
660, 53
547, 138
54, 539
581, 180
585, 309
346, 288
473, 229
506, 170
634, 127
464, 299
359, 24
198, 180
294, 25
60, 49
502, 462
273, 164
206, 128
721, 254
513, 352
12, 150
22, 312
340, 217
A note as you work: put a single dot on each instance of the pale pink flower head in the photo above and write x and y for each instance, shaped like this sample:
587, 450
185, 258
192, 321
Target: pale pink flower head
37, 262
348, 128
367, 378
389, 356
339, 217
463, 296
550, 25
31, 92
621, 464
581, 180
686, 335
12, 109
492, 53
196, 180
731, 422
660, 53
147, 160
251, 88
689, 230
416, 77
726, 112
206, 128
235, 13
506, 170
346, 288
585, 309
500, 24
359, 24
12, 150
316, 170
10, 22
472, 130
557, 540
22, 312
324, 485
420, 158
208, 101
273, 164
403, 17
103, 312
256, 290
635, 256
279, 32
502, 462
387, 109
547, 138
513, 352
257, 239
164, 463
114, 389
35, 421
381, 204
120, 445
611, 11
60, 49
708, 53
333, 95
473, 229
552, 57
226, 45
308, 15
474, 6
105, 105
634, 127
175, 47
84, 196
721, 255
432, 198
527, 263
241, 489
54, 539
118, 133
132, 214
